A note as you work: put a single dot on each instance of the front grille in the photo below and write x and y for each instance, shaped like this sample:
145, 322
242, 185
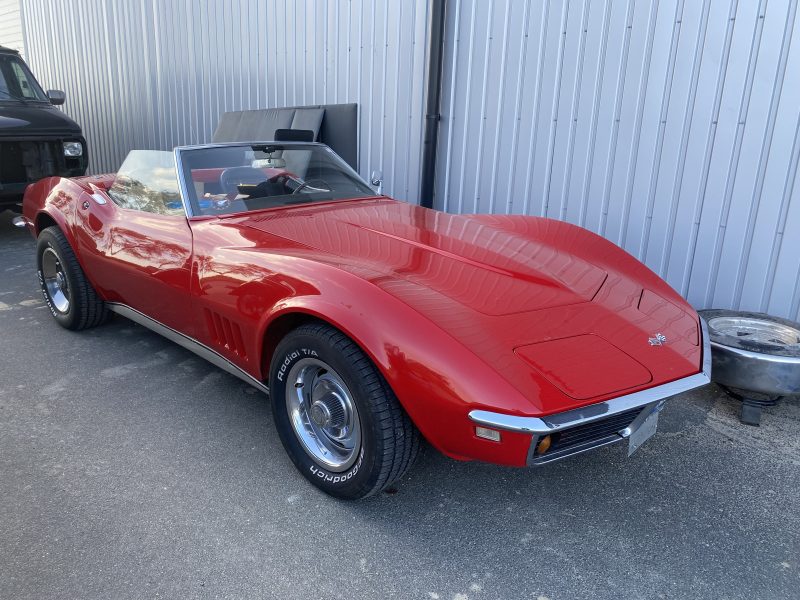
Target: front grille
11, 168
24, 161
594, 431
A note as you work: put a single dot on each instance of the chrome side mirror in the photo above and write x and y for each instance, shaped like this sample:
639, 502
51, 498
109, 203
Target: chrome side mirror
376, 180
56, 97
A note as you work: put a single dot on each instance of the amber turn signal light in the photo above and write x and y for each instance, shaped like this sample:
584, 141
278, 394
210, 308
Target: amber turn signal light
544, 444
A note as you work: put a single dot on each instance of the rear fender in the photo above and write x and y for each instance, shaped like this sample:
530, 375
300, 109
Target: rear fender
49, 201
53, 201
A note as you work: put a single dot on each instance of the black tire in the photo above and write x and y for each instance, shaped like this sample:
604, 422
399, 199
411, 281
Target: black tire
389, 442
85, 309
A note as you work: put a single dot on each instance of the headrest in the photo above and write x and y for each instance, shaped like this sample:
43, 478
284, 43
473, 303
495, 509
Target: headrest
294, 135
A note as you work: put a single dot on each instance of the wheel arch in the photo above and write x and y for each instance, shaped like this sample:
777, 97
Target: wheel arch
45, 220
277, 328
52, 202
51, 217
289, 318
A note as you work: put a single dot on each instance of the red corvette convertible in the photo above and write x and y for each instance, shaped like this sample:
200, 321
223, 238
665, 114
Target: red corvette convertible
371, 322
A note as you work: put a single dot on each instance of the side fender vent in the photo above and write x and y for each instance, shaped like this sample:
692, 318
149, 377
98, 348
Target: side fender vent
225, 333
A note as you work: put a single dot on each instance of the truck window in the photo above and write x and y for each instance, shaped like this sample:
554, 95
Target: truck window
16, 81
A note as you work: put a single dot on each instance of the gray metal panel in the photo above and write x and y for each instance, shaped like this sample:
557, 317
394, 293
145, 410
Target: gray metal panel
333, 124
670, 127
144, 74
11, 25
309, 119
250, 125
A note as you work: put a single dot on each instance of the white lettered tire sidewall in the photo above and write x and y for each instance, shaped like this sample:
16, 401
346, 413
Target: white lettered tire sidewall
49, 241
359, 479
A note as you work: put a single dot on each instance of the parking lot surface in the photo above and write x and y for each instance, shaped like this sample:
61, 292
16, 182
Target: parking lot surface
129, 468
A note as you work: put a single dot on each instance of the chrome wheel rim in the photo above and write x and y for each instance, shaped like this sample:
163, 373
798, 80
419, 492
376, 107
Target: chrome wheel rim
757, 330
323, 414
55, 281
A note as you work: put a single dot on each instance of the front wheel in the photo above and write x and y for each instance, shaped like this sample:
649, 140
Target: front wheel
338, 419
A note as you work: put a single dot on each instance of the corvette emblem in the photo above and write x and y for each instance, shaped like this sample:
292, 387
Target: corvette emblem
658, 340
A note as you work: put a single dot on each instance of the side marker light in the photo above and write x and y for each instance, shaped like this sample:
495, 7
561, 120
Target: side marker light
487, 434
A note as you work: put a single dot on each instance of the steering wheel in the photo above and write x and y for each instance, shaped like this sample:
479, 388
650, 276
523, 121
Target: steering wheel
281, 178
232, 177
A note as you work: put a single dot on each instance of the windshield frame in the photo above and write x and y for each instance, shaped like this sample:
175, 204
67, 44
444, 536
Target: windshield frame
42, 97
189, 205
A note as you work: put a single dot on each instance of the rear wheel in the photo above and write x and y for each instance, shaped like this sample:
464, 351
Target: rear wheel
69, 295
338, 419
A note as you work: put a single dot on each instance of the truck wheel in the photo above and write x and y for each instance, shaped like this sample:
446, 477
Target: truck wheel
339, 421
71, 298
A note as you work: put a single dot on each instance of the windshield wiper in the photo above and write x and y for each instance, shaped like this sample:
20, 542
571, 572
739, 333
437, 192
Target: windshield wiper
305, 199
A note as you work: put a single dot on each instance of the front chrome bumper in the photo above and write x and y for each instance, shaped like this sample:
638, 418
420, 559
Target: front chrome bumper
646, 401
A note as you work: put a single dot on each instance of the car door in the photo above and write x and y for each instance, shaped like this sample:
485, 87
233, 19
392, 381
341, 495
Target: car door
136, 241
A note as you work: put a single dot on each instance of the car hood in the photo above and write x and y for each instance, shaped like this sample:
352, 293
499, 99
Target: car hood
562, 314
34, 119
456, 258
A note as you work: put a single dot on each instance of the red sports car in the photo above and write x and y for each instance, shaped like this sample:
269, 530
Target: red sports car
372, 323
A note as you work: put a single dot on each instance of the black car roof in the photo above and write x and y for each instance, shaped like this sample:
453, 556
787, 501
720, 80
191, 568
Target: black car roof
4, 49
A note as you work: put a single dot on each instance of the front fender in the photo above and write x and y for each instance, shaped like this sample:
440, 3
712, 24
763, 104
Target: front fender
436, 379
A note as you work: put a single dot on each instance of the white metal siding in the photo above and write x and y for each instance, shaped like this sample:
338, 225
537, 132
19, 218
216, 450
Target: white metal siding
157, 74
11, 25
669, 127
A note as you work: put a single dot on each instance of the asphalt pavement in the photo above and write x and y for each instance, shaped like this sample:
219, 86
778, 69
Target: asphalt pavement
129, 468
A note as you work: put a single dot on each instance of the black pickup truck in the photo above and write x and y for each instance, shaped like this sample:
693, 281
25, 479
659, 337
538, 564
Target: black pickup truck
36, 139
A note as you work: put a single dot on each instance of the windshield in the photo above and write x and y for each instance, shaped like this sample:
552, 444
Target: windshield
246, 177
146, 181
17, 82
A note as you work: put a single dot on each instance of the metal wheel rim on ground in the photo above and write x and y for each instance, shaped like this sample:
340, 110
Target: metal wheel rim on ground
756, 330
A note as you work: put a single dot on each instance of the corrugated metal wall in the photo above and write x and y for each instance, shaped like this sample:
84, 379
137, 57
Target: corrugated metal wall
668, 126
158, 74
11, 25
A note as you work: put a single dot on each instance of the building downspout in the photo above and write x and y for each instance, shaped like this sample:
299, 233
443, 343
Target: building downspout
433, 95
